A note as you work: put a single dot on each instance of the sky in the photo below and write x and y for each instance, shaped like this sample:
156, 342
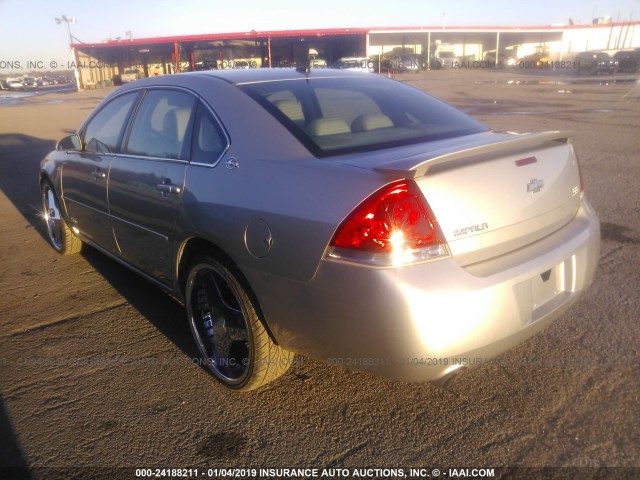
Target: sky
28, 31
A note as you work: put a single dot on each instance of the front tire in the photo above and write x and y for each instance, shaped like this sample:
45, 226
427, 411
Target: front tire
62, 239
233, 343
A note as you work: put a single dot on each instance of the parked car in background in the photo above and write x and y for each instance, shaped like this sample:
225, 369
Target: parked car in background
15, 84
628, 61
205, 65
30, 82
282, 62
444, 59
347, 217
504, 59
317, 63
401, 63
356, 64
594, 62
130, 75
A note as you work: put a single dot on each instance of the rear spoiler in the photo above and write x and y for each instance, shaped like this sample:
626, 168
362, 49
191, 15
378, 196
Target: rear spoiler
416, 166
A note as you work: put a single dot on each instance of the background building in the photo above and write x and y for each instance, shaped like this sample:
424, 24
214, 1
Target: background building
102, 64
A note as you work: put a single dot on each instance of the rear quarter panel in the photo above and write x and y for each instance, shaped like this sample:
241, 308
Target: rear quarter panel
302, 202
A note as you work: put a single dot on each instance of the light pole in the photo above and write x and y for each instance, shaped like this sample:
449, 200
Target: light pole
69, 21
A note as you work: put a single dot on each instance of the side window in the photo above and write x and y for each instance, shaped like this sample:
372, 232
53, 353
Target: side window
161, 125
104, 130
208, 139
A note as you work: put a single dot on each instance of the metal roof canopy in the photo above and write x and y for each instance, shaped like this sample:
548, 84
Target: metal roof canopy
162, 46
487, 38
205, 40
292, 44
161, 49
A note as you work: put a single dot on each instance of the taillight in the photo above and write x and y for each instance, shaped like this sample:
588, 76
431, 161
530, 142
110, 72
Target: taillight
394, 226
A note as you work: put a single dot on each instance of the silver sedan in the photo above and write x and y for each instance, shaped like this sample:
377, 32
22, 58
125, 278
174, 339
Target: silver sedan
346, 217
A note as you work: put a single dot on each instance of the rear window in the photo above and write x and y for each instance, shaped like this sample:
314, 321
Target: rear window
333, 116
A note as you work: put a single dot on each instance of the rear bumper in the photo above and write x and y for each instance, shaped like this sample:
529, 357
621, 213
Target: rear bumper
419, 323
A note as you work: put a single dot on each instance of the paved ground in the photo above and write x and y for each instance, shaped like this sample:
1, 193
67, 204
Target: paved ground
95, 364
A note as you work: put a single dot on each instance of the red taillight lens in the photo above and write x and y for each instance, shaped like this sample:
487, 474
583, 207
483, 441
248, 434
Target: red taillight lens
395, 220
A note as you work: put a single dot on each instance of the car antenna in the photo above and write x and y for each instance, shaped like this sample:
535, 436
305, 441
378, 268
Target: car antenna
306, 69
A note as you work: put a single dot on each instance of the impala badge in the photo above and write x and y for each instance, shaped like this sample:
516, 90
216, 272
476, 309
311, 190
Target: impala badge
535, 185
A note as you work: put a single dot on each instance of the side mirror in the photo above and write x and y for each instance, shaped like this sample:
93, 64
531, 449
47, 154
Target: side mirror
72, 142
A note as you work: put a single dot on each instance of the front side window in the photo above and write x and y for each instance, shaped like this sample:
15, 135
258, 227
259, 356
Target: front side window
162, 125
104, 131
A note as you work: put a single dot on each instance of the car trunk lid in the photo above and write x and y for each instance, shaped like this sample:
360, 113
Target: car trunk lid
496, 192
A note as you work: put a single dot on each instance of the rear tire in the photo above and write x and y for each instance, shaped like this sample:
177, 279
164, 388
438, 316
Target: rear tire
233, 344
61, 237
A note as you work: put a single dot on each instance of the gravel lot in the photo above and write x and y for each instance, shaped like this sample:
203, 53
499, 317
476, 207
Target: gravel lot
96, 372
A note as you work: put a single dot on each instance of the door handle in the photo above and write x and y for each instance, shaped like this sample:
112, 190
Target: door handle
169, 189
97, 174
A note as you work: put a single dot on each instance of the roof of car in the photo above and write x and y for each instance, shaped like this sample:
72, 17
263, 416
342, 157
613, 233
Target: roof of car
238, 77
255, 75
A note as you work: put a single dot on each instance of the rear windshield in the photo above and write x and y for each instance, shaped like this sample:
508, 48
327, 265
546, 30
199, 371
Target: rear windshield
332, 116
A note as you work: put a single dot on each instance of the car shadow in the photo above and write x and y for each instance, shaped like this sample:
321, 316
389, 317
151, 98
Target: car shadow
20, 157
12, 459
157, 306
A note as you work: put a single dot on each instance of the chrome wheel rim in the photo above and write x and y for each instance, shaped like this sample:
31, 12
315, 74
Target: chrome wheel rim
219, 324
52, 218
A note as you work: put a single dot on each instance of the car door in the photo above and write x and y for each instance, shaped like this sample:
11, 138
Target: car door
146, 180
85, 173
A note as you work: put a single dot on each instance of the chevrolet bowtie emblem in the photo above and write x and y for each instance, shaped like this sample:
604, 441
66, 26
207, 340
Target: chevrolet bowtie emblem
535, 185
